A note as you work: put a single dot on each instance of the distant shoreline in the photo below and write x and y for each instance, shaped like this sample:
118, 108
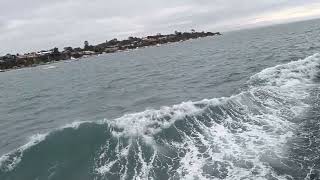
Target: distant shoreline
44, 57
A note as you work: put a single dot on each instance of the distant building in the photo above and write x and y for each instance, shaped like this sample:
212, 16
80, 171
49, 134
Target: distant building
150, 39
111, 49
41, 53
88, 53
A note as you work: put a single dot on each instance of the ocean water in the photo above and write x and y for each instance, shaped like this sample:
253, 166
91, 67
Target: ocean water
245, 105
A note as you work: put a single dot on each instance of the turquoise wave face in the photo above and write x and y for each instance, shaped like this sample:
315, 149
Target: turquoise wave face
262, 132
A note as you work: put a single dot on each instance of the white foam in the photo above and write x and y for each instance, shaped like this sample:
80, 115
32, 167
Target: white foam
75, 125
289, 75
151, 121
106, 168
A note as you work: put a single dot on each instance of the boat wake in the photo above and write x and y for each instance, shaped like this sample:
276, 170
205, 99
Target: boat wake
244, 136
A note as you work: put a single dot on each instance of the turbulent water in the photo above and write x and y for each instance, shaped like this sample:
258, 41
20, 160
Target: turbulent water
242, 106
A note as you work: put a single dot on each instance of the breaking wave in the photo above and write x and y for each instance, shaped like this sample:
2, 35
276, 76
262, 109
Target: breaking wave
239, 137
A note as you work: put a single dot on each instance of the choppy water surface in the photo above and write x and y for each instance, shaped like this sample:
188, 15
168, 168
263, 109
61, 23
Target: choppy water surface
241, 106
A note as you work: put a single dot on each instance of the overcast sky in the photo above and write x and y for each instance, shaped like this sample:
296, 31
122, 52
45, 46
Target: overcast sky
29, 25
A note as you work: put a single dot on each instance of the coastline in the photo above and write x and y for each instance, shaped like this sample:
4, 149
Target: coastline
14, 62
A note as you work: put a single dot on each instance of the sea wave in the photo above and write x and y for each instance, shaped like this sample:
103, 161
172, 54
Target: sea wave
242, 136
9, 161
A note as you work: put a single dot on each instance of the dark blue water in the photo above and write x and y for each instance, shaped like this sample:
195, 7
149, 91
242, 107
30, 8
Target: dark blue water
241, 106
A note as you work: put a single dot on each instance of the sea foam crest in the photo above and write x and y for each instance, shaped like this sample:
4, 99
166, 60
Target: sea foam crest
290, 74
285, 80
153, 121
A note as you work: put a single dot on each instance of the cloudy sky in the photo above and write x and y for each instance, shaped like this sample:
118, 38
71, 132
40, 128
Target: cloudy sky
29, 25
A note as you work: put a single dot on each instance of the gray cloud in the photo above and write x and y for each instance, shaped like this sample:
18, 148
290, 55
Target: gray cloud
37, 24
